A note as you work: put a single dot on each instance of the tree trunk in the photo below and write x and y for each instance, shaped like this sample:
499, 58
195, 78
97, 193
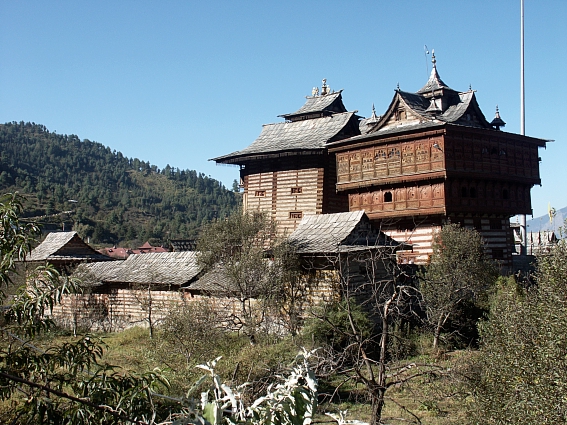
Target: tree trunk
377, 406
380, 389
438, 327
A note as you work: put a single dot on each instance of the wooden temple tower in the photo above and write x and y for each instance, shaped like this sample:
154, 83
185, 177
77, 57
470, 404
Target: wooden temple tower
433, 158
287, 171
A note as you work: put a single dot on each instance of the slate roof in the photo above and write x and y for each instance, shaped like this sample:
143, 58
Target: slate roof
452, 114
214, 281
65, 246
340, 232
312, 134
162, 268
321, 103
434, 83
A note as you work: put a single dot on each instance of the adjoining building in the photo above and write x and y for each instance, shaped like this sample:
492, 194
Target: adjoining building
287, 171
64, 250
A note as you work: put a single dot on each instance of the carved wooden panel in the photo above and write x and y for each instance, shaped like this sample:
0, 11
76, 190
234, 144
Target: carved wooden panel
368, 164
343, 171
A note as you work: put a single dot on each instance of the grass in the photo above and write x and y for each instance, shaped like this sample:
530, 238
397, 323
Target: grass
431, 399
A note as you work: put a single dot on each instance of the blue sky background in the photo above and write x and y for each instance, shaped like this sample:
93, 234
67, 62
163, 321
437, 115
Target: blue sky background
179, 82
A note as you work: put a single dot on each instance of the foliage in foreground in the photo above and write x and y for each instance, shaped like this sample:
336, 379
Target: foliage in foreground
65, 383
291, 401
523, 360
68, 383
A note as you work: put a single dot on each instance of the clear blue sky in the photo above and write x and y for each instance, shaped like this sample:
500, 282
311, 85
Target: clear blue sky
179, 82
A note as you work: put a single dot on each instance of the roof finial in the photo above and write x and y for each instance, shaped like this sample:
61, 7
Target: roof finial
497, 122
470, 89
325, 89
398, 87
374, 117
315, 91
433, 60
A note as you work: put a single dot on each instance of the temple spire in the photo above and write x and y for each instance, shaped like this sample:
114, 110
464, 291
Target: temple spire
497, 122
434, 82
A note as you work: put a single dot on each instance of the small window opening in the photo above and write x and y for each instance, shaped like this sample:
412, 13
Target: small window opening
295, 190
497, 253
295, 214
495, 224
504, 193
472, 192
388, 197
260, 193
464, 192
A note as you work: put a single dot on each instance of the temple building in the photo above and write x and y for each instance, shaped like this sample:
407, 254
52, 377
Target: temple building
287, 171
433, 158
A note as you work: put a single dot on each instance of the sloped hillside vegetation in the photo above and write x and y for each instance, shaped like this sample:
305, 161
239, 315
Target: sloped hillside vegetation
112, 198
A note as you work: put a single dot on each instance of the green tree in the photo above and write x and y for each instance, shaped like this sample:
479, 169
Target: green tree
522, 367
239, 253
65, 383
376, 296
458, 274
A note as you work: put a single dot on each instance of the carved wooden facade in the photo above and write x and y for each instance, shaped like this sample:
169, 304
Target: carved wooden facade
432, 158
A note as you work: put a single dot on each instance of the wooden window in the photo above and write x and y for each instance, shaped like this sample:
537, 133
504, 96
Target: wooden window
495, 224
260, 193
296, 190
497, 253
477, 223
472, 192
464, 192
388, 197
295, 214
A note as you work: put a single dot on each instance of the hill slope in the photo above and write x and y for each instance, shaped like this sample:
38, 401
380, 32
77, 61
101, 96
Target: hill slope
113, 198
537, 224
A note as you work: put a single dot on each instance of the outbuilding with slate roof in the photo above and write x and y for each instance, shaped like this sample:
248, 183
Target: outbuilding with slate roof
287, 171
65, 249
330, 234
433, 158
119, 294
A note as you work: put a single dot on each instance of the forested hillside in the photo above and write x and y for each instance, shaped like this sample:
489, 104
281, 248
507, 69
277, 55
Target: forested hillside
113, 199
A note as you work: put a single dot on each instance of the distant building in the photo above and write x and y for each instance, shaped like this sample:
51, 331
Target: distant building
123, 253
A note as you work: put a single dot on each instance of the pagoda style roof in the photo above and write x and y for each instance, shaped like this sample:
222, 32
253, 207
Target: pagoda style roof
434, 105
162, 268
340, 232
331, 103
65, 246
310, 135
434, 83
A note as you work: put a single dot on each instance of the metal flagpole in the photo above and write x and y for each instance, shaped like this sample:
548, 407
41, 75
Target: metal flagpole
523, 229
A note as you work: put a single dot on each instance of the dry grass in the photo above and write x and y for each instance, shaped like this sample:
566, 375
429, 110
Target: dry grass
431, 399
